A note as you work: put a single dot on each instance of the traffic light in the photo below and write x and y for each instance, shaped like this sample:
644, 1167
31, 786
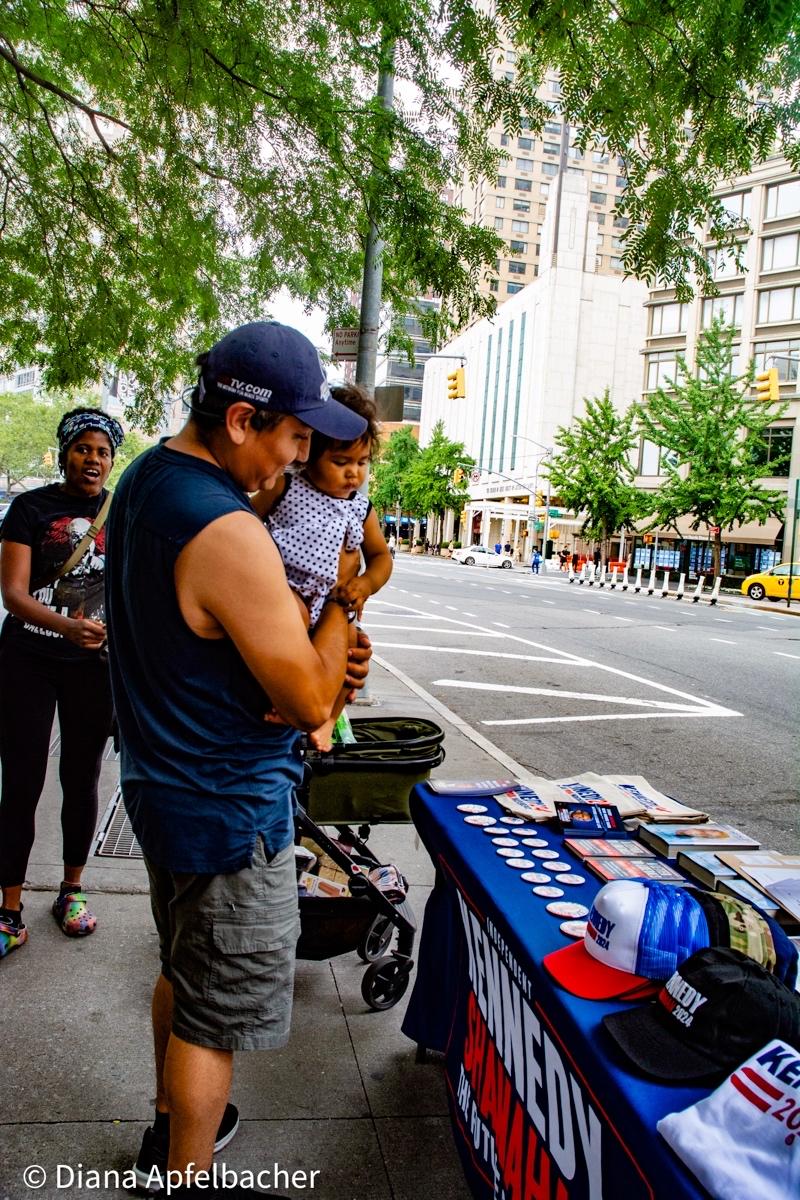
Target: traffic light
458, 476
456, 385
539, 500
47, 458
767, 386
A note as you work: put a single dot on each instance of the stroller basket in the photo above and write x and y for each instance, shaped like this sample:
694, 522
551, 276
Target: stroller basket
333, 927
370, 780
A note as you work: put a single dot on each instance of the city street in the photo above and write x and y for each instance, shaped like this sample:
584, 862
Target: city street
565, 678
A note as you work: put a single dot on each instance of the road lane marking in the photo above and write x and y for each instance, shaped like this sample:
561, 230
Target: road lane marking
466, 614
780, 654
452, 607
596, 611
594, 697
666, 628
500, 625
438, 629
766, 628
724, 620
723, 641
548, 601
463, 650
722, 712
628, 619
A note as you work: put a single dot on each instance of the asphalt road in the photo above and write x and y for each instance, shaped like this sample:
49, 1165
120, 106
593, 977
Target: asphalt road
704, 701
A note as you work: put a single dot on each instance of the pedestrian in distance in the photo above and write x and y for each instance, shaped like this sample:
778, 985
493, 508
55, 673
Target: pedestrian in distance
52, 568
507, 548
392, 544
574, 560
536, 560
205, 636
316, 512
498, 548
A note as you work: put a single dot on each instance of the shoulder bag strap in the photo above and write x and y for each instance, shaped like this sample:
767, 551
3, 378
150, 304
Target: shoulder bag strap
83, 545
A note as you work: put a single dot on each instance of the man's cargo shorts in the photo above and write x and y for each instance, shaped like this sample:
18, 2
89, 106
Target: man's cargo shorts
227, 946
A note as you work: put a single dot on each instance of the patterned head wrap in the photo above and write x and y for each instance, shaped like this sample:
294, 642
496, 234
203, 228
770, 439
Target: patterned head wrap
77, 423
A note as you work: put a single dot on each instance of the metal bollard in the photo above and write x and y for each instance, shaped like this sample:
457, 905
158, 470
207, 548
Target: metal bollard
637, 587
698, 589
625, 580
714, 597
681, 587
613, 583
651, 587
665, 585
582, 576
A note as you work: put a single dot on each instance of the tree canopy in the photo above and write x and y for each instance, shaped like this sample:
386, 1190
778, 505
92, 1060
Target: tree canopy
164, 169
429, 484
28, 435
710, 429
387, 478
593, 473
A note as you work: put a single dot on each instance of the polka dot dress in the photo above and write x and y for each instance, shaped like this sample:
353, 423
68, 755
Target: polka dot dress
310, 529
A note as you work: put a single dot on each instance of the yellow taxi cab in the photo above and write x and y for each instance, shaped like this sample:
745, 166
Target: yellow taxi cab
773, 584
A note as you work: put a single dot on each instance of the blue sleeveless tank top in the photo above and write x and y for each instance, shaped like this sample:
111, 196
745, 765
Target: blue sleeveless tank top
202, 774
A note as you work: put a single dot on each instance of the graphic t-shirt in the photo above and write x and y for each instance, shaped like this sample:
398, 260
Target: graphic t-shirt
52, 523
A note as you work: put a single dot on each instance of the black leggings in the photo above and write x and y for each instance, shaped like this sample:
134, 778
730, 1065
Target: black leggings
31, 687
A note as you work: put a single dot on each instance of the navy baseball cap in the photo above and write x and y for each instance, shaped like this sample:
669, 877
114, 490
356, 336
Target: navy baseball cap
274, 367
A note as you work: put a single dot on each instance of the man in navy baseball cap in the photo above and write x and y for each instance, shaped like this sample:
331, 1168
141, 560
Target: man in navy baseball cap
277, 368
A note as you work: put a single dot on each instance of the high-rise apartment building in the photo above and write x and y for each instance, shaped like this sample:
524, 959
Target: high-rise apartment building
514, 204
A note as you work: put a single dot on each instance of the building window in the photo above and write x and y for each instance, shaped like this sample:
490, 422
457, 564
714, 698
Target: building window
551, 147
520, 226
493, 285
552, 127
599, 177
598, 262
599, 156
722, 263
518, 247
737, 206
524, 143
779, 304
516, 268
729, 308
600, 218
502, 180
597, 197
549, 169
618, 243
555, 86
498, 222
522, 205
775, 451
784, 356
524, 164
509, 75
662, 366
512, 288
504, 139
620, 222
523, 185
574, 171
649, 458
544, 189
622, 181
25, 379
783, 199
499, 201
617, 264
667, 318
780, 253
600, 239
574, 152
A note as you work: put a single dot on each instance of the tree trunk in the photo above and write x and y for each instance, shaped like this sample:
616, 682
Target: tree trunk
716, 552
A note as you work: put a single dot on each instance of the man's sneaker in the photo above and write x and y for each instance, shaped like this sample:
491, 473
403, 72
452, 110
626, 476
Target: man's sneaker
71, 911
151, 1164
12, 936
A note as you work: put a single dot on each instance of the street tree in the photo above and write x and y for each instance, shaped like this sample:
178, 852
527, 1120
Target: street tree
710, 430
436, 479
680, 97
164, 169
28, 435
387, 477
593, 472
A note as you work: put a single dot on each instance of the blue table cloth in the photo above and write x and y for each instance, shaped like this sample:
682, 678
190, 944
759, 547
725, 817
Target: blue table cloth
543, 1107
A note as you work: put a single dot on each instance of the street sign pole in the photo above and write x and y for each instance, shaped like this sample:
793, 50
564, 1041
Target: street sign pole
793, 514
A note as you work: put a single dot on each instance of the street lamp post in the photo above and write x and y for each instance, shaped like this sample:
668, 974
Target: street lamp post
548, 453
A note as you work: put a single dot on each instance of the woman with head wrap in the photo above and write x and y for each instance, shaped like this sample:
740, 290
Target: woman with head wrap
51, 573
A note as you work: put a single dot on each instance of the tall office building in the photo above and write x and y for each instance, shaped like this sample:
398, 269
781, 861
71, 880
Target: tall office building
761, 300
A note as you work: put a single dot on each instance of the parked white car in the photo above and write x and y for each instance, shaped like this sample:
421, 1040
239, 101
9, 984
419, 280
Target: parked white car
482, 556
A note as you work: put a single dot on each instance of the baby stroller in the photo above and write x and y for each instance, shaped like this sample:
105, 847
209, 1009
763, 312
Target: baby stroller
369, 782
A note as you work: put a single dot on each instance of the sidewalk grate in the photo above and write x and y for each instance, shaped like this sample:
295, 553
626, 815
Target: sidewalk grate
115, 838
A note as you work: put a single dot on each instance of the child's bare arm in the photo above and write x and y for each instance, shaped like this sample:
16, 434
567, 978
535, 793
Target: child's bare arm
378, 564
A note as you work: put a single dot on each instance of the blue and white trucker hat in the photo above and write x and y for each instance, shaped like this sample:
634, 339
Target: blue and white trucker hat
272, 366
637, 934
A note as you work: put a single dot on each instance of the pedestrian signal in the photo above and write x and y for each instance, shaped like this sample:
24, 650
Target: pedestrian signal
539, 500
458, 476
47, 458
455, 385
767, 386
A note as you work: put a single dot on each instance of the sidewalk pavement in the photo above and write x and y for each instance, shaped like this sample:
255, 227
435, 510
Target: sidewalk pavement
344, 1098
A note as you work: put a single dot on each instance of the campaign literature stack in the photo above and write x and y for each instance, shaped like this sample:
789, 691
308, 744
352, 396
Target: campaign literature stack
581, 819
667, 840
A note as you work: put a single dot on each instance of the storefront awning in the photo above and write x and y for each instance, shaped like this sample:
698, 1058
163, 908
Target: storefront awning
751, 533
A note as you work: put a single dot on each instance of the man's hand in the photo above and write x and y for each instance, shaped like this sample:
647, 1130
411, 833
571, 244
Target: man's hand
358, 657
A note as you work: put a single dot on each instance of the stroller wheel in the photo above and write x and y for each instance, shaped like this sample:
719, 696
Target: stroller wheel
385, 981
376, 939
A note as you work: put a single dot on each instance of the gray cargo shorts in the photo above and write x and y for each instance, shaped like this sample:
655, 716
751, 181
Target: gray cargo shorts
227, 945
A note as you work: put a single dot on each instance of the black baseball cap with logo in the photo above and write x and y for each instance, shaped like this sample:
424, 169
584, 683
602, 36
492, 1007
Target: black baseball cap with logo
718, 1008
